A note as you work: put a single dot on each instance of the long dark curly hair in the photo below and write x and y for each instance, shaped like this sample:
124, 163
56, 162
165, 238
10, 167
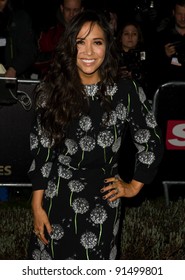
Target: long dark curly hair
61, 95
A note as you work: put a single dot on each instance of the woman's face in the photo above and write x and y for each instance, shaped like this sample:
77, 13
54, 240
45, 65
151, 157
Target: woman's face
91, 48
3, 4
129, 38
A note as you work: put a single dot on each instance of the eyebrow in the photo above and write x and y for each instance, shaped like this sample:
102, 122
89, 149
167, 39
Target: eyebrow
96, 38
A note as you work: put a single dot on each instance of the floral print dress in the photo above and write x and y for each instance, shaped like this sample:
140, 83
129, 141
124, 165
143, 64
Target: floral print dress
85, 226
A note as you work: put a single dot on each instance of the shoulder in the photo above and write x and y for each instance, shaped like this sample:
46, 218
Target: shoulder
127, 85
127, 90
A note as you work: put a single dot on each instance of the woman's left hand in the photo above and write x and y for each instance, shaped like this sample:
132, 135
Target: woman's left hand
117, 188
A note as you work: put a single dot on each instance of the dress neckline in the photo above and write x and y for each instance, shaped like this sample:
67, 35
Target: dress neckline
92, 89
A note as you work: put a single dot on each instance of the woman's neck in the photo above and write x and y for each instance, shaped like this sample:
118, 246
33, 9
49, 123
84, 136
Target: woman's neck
90, 79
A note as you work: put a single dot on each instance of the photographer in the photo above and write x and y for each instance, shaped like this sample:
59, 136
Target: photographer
134, 59
172, 45
17, 41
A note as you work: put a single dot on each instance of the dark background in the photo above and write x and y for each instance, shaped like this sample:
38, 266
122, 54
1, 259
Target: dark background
43, 12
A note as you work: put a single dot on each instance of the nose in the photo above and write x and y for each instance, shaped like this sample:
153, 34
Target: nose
129, 36
88, 49
72, 14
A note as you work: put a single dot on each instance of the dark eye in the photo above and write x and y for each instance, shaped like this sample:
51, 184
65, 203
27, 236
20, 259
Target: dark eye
79, 42
98, 43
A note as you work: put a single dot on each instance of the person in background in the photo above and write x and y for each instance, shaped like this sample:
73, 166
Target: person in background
82, 112
17, 41
171, 46
134, 57
49, 39
17, 49
112, 18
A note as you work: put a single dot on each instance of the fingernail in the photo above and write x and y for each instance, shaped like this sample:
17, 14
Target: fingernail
102, 190
104, 197
105, 180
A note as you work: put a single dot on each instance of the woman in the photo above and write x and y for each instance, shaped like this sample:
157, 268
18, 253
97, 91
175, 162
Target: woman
130, 41
136, 60
82, 114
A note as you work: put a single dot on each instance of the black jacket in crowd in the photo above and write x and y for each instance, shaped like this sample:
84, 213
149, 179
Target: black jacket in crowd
20, 49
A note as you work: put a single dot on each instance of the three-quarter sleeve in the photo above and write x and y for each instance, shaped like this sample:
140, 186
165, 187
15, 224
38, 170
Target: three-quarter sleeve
145, 133
42, 157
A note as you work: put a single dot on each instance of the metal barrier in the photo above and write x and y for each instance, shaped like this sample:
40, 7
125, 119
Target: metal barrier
168, 108
15, 124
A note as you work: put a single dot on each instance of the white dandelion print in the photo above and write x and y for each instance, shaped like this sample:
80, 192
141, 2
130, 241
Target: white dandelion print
111, 90
45, 255
80, 206
72, 146
105, 139
63, 173
75, 186
46, 143
46, 169
109, 120
57, 234
146, 157
115, 204
91, 90
85, 123
50, 192
65, 160
142, 136
41, 254
41, 244
99, 216
151, 122
36, 254
34, 142
89, 241
87, 144
121, 112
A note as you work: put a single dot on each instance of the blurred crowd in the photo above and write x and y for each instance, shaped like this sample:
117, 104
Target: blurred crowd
150, 37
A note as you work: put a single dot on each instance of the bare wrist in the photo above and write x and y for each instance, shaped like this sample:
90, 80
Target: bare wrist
136, 185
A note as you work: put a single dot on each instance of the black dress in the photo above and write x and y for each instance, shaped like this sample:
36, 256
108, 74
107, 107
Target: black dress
85, 226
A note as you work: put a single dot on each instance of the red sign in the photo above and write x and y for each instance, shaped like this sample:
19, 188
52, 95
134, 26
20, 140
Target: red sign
175, 135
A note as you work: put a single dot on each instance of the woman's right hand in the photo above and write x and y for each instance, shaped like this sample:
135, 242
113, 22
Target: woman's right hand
40, 222
40, 218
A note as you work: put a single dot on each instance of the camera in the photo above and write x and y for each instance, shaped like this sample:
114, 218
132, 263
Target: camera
132, 61
180, 50
144, 6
